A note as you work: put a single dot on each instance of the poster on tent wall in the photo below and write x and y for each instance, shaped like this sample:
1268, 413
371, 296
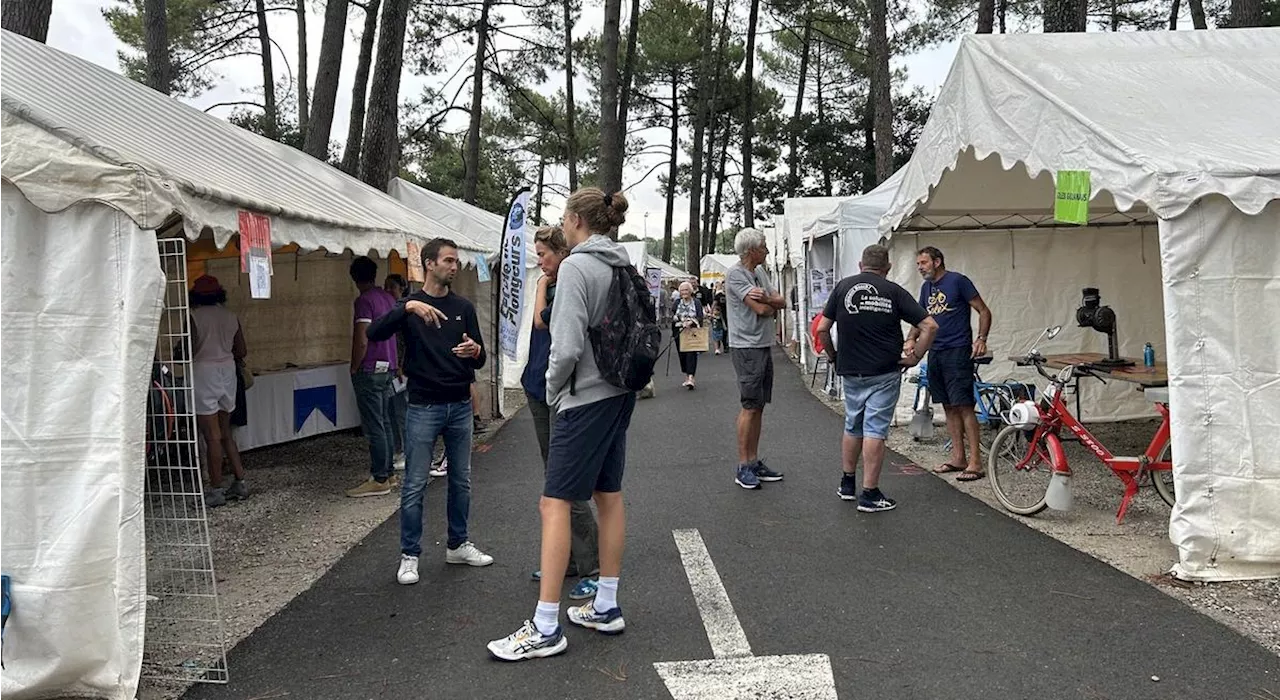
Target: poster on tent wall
255, 253
820, 284
511, 294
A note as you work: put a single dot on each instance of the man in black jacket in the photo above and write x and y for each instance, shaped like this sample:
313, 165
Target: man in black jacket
443, 350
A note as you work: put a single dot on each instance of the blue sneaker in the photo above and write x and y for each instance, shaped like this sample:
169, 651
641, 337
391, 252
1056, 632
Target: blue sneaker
585, 589
608, 622
528, 643
848, 488
764, 473
747, 478
872, 501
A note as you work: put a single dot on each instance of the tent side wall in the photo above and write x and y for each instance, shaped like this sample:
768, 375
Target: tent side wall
1032, 280
1222, 283
81, 305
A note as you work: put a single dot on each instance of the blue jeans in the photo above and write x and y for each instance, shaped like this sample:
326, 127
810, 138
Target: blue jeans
373, 397
869, 404
399, 406
424, 423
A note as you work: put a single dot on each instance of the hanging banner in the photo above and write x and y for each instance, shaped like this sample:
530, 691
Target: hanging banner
653, 276
512, 271
482, 268
255, 238
1071, 197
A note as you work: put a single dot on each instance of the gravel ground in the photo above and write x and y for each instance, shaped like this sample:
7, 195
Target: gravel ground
1139, 546
295, 525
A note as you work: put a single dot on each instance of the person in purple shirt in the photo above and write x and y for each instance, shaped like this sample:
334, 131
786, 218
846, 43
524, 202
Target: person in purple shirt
373, 368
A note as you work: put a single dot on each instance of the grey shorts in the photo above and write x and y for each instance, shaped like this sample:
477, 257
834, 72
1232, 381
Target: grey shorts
754, 367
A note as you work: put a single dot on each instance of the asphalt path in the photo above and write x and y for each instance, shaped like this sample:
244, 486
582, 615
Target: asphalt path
941, 598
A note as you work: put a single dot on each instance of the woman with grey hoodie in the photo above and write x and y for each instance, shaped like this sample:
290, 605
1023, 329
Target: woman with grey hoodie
587, 454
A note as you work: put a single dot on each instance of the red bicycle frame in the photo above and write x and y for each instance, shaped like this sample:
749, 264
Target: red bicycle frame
1054, 416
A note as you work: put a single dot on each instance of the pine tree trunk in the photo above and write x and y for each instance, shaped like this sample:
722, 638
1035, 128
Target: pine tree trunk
673, 170
1198, 20
793, 147
270, 117
986, 16
715, 216
1065, 15
360, 90
156, 38
869, 145
881, 91
328, 68
708, 234
1004, 13
542, 183
379, 159
1246, 13
748, 121
821, 104
624, 93
304, 109
610, 148
693, 258
707, 182
30, 18
570, 109
471, 180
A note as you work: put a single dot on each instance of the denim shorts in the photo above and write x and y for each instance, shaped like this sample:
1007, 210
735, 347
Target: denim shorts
869, 403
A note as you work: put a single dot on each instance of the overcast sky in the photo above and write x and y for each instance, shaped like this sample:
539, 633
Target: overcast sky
77, 27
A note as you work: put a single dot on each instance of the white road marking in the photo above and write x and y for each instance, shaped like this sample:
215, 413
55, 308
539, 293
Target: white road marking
723, 629
734, 673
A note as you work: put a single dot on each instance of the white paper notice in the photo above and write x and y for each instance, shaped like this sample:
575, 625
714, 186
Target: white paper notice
259, 277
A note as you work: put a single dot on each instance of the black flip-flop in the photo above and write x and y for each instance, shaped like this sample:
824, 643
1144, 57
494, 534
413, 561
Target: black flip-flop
946, 468
967, 475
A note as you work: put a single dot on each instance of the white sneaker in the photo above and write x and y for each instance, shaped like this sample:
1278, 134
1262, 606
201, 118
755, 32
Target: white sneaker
398, 462
441, 469
528, 643
469, 554
408, 573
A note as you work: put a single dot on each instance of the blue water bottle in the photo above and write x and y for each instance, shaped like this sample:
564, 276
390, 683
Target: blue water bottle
1149, 356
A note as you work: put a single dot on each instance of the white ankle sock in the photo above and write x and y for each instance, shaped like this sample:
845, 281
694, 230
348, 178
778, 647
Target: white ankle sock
547, 617
606, 594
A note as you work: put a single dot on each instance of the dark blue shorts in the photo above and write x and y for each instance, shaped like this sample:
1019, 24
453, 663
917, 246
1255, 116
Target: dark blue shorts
588, 449
951, 376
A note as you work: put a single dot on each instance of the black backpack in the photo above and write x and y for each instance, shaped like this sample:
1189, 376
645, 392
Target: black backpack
627, 343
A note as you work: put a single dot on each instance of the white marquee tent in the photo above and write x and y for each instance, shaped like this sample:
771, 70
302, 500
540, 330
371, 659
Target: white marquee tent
93, 164
1179, 132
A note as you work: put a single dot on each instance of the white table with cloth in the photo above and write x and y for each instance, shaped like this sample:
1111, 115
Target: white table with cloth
298, 402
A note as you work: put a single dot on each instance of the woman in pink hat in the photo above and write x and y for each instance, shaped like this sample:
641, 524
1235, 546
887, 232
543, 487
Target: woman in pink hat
217, 344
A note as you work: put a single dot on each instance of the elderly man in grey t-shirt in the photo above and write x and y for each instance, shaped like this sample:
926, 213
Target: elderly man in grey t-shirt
752, 303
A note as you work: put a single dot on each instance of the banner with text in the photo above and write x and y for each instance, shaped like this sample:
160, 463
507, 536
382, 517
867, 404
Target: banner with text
511, 296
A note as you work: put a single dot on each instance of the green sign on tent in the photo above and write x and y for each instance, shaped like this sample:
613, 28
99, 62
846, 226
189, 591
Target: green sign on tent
1071, 204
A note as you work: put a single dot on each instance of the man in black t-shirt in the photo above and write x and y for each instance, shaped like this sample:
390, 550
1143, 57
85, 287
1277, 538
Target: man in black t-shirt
869, 310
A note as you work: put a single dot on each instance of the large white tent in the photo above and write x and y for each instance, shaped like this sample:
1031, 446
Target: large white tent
93, 164
487, 229
1179, 133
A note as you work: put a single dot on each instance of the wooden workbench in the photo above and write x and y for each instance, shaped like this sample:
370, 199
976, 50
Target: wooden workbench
1136, 373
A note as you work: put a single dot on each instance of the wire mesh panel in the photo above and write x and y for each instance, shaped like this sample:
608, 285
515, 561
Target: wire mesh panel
184, 639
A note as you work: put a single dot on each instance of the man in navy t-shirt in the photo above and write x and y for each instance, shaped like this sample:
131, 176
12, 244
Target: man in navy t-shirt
950, 298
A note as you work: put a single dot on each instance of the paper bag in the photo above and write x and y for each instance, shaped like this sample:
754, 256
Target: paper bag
694, 340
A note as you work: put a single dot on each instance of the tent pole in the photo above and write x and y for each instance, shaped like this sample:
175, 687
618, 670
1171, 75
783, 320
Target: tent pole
496, 370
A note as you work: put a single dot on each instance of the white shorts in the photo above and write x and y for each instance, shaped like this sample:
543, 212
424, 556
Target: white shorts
215, 388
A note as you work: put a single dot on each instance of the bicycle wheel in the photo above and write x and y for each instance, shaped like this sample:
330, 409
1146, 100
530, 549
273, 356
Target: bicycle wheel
1019, 490
995, 401
1163, 480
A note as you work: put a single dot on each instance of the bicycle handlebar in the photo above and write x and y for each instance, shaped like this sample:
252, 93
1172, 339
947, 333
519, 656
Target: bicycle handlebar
1084, 369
